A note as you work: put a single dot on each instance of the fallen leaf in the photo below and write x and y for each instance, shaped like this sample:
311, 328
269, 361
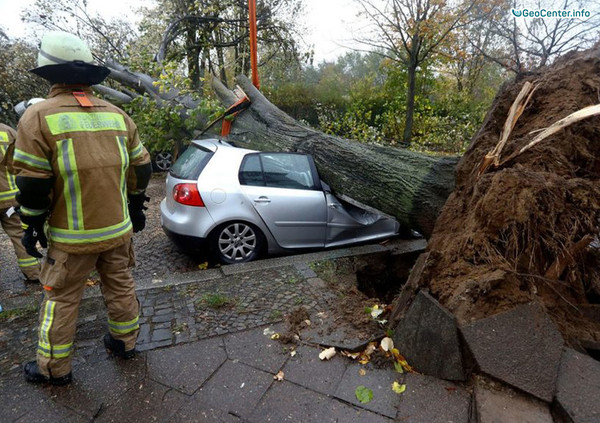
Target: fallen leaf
351, 355
398, 367
370, 348
268, 332
293, 353
307, 322
279, 375
397, 388
203, 266
327, 354
387, 344
376, 311
91, 282
363, 394
406, 366
362, 372
275, 336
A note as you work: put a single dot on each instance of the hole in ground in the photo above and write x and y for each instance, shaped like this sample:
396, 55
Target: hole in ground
382, 275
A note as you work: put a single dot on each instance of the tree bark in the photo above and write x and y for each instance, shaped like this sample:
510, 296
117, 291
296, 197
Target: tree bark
409, 186
410, 101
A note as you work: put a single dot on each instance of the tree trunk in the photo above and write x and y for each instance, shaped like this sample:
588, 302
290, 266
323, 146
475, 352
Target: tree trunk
410, 101
409, 186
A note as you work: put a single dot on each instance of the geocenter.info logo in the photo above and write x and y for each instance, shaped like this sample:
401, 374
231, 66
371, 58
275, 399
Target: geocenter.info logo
551, 14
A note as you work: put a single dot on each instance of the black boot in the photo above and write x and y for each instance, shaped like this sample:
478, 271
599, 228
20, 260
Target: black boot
116, 347
33, 375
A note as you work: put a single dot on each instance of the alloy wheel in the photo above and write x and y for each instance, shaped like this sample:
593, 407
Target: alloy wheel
163, 161
238, 242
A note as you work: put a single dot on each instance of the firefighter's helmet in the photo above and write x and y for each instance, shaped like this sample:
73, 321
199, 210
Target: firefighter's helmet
23, 105
66, 58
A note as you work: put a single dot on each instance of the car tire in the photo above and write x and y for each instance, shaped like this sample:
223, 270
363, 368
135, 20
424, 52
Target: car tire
236, 242
162, 161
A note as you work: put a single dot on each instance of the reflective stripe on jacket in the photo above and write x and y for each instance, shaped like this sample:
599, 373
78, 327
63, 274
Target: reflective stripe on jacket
88, 151
8, 188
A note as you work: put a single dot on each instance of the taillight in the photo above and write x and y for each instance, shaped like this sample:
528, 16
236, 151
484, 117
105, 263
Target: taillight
187, 194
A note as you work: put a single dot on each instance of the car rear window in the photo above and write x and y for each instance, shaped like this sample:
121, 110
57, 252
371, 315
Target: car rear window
191, 162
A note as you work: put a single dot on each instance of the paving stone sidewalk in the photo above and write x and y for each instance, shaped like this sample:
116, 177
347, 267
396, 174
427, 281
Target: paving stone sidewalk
206, 355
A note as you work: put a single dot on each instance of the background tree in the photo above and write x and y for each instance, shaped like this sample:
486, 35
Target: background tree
16, 82
410, 32
532, 42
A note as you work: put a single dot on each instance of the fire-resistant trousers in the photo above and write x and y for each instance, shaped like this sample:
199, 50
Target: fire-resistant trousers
64, 277
30, 266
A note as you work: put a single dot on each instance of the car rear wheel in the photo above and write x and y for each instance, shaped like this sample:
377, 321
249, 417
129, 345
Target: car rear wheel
237, 242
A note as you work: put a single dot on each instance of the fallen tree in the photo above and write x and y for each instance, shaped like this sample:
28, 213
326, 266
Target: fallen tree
526, 200
411, 187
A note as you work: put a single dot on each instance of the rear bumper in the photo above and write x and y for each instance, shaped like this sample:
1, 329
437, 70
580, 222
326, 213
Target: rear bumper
186, 242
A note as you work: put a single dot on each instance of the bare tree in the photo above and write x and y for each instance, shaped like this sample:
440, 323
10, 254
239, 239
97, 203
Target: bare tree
410, 32
535, 41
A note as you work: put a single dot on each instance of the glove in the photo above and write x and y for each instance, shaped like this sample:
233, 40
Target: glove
34, 233
136, 211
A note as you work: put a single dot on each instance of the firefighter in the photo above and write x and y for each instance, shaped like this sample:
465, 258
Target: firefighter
82, 173
30, 266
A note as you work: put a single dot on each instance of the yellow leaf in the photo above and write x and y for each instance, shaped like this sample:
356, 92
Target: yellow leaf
203, 266
362, 372
275, 336
279, 375
397, 388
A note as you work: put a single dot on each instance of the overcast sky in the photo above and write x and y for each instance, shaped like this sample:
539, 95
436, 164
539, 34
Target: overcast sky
330, 23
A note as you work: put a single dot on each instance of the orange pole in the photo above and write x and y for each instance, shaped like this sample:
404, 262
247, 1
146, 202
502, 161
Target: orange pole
253, 43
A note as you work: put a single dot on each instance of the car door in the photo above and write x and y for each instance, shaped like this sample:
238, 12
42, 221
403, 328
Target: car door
285, 191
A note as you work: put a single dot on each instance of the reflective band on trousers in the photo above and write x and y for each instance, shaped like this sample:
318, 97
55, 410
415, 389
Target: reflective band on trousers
122, 144
45, 348
124, 327
3, 136
54, 351
67, 167
31, 160
62, 123
27, 262
93, 235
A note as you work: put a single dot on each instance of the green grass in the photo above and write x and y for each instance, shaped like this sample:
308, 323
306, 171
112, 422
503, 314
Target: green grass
8, 315
275, 314
216, 301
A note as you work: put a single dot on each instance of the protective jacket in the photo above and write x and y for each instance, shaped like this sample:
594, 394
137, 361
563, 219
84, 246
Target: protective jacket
87, 151
8, 187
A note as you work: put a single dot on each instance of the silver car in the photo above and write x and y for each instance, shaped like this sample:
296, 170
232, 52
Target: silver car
241, 203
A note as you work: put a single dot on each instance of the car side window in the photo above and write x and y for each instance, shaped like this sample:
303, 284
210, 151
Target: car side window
287, 171
251, 171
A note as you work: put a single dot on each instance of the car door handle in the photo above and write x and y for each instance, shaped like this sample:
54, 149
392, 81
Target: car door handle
262, 199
